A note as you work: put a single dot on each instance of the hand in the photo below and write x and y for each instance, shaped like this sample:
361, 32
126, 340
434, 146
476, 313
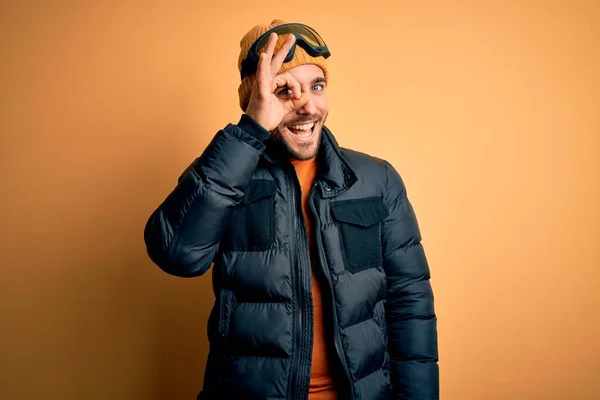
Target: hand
264, 106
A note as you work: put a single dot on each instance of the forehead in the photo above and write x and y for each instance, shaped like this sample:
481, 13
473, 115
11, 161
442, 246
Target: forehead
306, 73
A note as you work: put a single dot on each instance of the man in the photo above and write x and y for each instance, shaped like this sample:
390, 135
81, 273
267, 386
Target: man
321, 283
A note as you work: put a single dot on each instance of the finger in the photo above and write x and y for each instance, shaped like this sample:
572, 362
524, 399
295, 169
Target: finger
296, 104
295, 86
271, 46
288, 80
279, 58
263, 72
263, 69
278, 81
299, 103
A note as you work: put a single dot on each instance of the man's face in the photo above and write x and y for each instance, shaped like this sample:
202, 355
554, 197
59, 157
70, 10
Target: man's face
300, 130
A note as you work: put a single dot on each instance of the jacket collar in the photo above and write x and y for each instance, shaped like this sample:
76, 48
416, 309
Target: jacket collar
335, 174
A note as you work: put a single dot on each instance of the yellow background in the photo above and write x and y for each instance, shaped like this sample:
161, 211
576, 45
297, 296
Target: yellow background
489, 110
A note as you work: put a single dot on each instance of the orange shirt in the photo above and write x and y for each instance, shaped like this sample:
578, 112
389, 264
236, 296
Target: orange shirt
321, 381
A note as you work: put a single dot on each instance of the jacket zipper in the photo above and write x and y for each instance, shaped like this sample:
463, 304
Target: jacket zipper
297, 390
295, 281
221, 314
336, 340
226, 309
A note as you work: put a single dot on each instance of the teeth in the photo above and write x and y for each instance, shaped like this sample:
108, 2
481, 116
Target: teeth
302, 127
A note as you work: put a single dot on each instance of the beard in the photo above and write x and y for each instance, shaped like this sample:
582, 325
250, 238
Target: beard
304, 151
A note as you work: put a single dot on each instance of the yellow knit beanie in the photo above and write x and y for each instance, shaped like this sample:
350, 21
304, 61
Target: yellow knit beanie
300, 57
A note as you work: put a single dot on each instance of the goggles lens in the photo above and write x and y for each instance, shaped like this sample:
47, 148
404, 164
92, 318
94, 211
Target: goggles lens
300, 31
306, 37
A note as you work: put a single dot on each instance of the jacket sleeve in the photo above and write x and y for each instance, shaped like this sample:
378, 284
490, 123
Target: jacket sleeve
410, 315
182, 235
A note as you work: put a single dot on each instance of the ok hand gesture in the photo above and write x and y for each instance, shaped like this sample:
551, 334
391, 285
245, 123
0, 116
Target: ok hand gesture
264, 106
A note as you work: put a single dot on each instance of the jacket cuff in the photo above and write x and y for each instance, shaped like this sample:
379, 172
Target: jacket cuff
253, 128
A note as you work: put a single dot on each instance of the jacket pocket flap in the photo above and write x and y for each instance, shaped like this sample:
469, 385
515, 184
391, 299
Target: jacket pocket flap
361, 212
257, 189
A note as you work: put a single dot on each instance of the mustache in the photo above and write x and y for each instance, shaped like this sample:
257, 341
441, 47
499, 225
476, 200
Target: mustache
305, 119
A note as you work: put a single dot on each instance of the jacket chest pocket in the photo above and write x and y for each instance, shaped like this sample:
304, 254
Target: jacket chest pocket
359, 224
252, 225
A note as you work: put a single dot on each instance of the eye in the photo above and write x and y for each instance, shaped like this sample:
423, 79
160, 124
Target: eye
286, 92
318, 87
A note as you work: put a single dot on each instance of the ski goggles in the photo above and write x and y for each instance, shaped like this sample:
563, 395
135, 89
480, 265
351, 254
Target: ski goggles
306, 37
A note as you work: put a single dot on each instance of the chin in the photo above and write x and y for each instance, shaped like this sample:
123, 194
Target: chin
304, 146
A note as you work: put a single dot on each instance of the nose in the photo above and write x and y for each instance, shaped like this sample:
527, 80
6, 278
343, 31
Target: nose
309, 107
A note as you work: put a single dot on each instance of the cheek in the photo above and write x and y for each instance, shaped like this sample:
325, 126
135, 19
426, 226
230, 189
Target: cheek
324, 113
322, 106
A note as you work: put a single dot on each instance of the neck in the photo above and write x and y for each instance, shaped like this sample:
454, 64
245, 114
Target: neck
295, 161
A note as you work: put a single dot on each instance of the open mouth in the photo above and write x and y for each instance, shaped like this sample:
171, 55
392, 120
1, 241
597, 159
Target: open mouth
303, 130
